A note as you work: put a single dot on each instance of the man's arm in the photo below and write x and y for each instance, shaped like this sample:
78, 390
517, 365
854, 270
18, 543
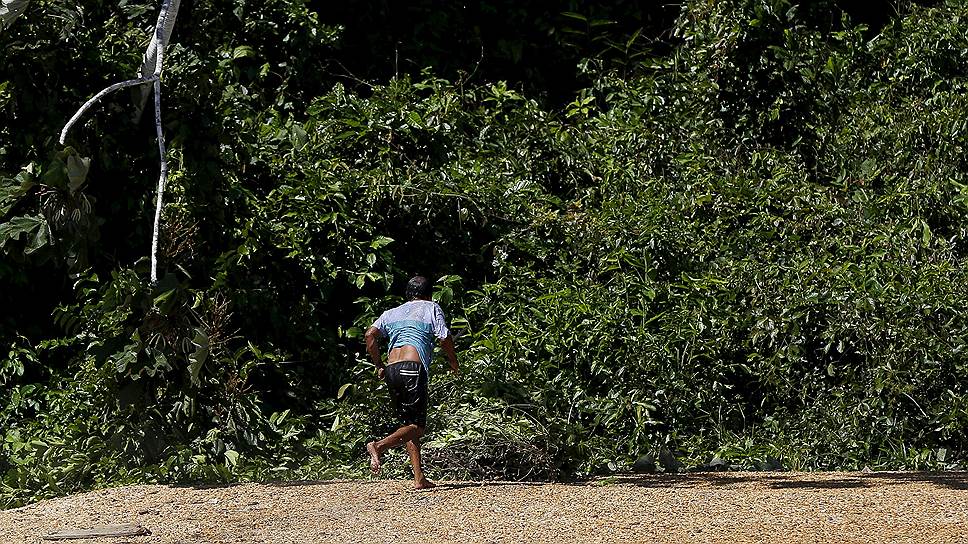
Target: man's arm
447, 344
443, 335
373, 337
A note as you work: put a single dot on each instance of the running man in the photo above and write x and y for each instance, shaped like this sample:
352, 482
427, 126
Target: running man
410, 330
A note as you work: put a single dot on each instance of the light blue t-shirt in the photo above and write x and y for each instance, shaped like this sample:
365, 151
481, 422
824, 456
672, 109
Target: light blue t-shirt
416, 323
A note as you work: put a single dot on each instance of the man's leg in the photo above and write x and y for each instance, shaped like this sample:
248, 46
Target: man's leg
419, 481
401, 436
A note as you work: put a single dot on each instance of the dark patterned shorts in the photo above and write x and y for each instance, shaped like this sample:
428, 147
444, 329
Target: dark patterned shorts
407, 381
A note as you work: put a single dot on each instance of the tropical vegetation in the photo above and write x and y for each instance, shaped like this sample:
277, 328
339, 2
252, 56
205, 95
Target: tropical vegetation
726, 233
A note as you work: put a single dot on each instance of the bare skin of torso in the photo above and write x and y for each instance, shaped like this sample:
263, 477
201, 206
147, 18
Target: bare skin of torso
403, 353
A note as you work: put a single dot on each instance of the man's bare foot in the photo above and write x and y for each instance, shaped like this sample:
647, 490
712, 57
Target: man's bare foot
423, 483
374, 458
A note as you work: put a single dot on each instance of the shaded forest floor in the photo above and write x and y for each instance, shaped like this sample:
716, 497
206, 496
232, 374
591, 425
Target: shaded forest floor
711, 507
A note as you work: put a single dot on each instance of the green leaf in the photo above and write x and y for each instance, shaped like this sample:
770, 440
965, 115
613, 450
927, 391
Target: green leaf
342, 390
12, 190
231, 458
39, 240
381, 241
199, 356
20, 226
576, 16
601, 22
278, 417
160, 299
242, 51
298, 136
55, 174
77, 168
443, 295
125, 359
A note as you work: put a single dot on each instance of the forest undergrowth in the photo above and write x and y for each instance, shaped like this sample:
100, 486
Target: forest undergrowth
738, 242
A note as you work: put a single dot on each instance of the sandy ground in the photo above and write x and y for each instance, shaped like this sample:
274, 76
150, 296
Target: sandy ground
718, 507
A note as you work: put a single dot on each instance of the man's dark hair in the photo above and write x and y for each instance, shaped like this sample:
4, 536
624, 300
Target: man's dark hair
419, 287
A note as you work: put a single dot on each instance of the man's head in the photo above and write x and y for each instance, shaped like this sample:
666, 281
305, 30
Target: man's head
419, 287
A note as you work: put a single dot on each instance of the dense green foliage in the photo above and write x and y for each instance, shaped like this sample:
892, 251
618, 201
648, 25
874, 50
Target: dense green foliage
742, 237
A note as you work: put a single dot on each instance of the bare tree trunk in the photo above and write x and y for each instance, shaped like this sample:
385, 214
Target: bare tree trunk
166, 21
10, 10
150, 59
153, 60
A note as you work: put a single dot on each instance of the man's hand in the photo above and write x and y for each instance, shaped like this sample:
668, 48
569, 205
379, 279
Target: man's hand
448, 346
380, 371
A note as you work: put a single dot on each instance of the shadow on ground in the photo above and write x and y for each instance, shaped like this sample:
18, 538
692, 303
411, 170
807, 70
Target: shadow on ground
774, 480
801, 480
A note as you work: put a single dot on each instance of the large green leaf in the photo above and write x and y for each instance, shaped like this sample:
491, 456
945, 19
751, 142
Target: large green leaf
24, 226
198, 357
77, 168
13, 189
66, 170
40, 239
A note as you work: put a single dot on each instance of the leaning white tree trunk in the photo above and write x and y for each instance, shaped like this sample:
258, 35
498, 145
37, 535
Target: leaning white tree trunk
154, 61
150, 59
10, 10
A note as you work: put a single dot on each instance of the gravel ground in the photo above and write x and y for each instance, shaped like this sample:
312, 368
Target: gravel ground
712, 507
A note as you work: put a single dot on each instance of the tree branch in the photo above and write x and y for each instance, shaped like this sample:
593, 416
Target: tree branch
100, 95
